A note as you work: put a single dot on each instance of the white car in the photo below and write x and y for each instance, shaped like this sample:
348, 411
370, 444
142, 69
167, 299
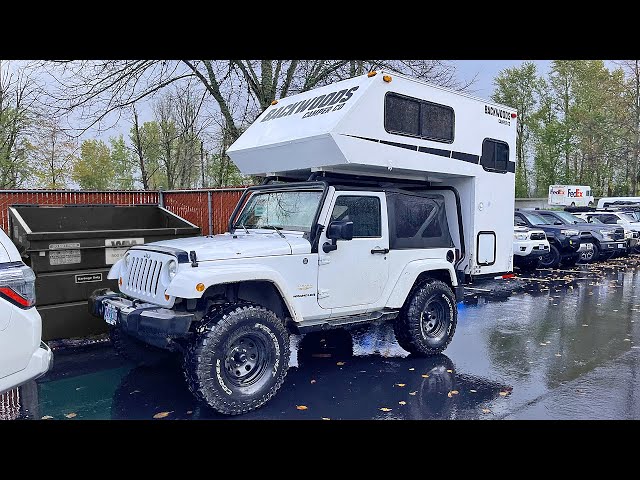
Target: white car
23, 355
528, 246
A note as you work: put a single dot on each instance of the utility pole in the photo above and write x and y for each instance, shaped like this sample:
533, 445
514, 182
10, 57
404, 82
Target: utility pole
202, 160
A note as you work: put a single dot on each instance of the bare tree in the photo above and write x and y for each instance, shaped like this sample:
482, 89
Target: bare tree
52, 153
17, 97
99, 88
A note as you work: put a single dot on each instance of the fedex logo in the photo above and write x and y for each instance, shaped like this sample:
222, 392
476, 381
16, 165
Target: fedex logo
557, 191
574, 193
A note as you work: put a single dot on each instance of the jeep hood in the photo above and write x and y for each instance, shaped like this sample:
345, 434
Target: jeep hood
239, 245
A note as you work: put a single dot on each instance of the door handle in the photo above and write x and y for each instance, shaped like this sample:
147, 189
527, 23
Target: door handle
380, 250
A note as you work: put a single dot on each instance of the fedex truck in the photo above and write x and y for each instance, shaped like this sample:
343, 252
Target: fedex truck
570, 195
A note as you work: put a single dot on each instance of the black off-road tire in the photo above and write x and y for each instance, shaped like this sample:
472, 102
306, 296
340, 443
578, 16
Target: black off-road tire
427, 322
136, 351
551, 259
240, 363
595, 257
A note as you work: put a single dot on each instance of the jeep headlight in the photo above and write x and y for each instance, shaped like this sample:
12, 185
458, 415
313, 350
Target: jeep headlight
125, 260
569, 233
607, 234
521, 236
172, 268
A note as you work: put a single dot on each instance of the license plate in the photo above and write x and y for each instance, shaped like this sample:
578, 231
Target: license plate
110, 314
542, 247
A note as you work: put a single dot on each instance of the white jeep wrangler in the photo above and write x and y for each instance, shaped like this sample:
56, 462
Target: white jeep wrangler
230, 302
373, 208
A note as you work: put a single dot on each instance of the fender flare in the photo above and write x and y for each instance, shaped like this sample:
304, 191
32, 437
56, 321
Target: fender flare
409, 274
184, 283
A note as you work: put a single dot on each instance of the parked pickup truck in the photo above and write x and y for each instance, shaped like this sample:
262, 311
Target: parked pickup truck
608, 240
564, 243
529, 245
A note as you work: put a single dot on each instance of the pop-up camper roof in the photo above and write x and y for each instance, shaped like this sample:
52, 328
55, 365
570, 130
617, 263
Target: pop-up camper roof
353, 127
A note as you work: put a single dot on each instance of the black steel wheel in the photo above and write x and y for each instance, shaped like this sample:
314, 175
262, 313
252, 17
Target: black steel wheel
240, 363
427, 322
551, 259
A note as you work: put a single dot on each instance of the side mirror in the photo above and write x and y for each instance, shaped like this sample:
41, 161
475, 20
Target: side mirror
340, 230
337, 230
558, 223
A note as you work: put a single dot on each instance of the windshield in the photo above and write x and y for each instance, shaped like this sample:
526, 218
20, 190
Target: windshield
567, 217
626, 216
595, 219
288, 210
534, 218
635, 215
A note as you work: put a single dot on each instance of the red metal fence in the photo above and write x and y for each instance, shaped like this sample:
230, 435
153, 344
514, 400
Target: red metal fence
208, 209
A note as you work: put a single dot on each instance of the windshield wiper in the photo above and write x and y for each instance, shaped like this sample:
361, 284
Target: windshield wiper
277, 229
244, 228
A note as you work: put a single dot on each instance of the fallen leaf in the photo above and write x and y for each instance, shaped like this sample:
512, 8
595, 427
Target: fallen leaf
313, 381
486, 410
504, 394
411, 369
455, 392
71, 415
189, 412
47, 417
452, 393
162, 414
384, 409
413, 393
302, 407
340, 363
326, 418
135, 391
558, 355
473, 391
585, 325
402, 402
401, 384
627, 340
543, 344
450, 371
424, 375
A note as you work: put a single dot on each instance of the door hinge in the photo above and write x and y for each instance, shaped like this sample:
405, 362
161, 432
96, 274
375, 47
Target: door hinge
323, 293
326, 260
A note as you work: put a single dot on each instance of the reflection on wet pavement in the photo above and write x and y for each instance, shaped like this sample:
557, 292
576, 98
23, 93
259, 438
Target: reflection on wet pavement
552, 344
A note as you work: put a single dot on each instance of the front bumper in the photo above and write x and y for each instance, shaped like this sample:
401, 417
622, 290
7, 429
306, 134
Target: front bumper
145, 321
40, 363
536, 248
619, 246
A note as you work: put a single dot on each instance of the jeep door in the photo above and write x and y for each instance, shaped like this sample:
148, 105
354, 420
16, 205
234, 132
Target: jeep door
356, 273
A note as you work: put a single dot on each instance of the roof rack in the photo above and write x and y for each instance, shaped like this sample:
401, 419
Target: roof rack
579, 209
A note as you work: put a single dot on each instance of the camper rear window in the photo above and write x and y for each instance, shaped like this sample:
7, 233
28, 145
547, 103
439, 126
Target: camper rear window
418, 118
495, 155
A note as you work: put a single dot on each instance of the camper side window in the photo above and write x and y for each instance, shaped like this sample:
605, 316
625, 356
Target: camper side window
418, 118
495, 155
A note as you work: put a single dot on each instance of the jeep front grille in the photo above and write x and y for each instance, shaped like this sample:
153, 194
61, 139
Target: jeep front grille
145, 277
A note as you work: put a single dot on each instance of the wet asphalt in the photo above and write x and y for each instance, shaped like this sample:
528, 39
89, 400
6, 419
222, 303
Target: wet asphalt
546, 345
